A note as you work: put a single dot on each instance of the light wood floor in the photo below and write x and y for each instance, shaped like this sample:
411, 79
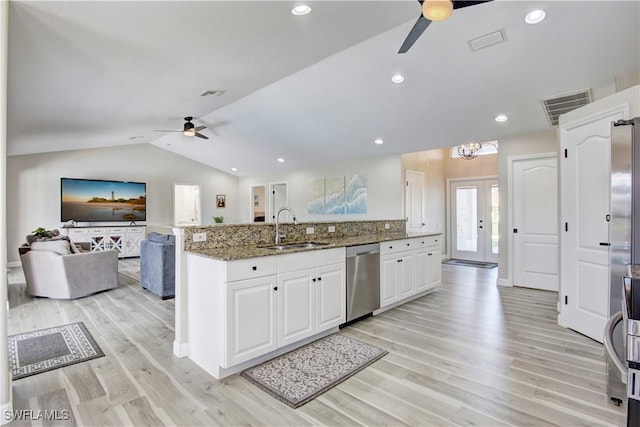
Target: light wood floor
469, 354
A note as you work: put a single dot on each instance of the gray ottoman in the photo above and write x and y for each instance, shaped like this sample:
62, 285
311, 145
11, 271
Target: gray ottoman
157, 264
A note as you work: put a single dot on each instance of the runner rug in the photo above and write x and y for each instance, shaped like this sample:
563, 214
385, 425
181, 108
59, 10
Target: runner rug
471, 263
39, 351
303, 374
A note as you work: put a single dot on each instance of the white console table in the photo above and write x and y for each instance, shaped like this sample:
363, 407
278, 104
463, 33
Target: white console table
125, 239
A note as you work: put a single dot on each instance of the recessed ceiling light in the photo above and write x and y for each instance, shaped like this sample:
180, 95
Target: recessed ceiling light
234, 169
501, 118
281, 160
535, 16
397, 78
378, 141
301, 9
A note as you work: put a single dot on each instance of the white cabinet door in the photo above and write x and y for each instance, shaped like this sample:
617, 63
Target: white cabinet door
296, 308
388, 279
406, 282
132, 241
250, 319
422, 261
435, 267
331, 294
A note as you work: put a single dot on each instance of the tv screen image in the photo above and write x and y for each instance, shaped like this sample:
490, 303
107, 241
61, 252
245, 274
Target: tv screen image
90, 200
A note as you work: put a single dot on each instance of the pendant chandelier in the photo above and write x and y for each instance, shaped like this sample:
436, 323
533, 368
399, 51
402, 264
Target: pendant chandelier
469, 151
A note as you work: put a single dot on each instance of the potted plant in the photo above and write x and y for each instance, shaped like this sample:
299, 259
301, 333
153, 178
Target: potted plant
218, 219
41, 232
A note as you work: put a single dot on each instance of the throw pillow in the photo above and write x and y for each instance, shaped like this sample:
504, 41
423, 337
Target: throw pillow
61, 247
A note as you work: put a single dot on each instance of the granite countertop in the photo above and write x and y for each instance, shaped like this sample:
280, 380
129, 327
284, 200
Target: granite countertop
233, 253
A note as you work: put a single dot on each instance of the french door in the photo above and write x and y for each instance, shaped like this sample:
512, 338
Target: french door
474, 219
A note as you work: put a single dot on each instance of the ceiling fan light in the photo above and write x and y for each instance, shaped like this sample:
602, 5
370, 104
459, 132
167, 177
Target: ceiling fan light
437, 10
190, 132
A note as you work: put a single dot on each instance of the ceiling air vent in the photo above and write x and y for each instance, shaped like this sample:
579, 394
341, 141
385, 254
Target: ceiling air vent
213, 92
558, 105
487, 40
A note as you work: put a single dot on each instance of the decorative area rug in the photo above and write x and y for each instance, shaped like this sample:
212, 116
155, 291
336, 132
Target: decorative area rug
303, 374
47, 349
471, 263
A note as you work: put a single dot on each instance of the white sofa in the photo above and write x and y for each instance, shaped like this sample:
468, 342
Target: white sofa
52, 270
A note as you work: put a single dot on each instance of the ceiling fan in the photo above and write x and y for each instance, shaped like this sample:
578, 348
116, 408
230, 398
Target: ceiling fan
433, 10
189, 129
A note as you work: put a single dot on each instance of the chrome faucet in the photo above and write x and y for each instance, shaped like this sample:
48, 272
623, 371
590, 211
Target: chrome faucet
278, 235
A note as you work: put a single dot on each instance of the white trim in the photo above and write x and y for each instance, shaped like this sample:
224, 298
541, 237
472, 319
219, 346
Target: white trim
180, 349
504, 282
14, 264
181, 326
510, 161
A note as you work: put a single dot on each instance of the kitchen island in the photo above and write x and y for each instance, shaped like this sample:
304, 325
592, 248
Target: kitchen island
243, 304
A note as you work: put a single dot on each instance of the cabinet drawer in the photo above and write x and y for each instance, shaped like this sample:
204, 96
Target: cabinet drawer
432, 240
310, 259
393, 246
250, 268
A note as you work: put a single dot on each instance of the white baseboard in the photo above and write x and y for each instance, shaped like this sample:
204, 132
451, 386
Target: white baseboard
180, 349
14, 264
504, 282
6, 409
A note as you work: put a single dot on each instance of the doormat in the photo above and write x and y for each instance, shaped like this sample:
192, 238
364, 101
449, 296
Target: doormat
303, 374
471, 263
52, 348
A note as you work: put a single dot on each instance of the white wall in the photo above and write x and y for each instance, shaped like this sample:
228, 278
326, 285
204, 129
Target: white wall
34, 185
533, 143
384, 188
5, 381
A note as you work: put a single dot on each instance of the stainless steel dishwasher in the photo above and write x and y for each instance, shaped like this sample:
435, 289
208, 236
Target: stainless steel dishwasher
363, 280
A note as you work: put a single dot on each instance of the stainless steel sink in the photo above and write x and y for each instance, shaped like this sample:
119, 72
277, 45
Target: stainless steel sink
296, 245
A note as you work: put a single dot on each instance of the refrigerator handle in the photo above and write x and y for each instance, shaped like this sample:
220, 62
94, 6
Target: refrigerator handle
608, 345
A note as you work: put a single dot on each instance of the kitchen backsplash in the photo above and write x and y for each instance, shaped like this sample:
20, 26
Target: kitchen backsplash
225, 235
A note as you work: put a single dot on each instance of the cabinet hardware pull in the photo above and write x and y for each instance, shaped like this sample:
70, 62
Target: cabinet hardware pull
319, 279
275, 288
254, 268
313, 280
605, 244
408, 244
390, 247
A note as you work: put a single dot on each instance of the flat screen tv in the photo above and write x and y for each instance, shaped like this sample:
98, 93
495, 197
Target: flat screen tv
92, 200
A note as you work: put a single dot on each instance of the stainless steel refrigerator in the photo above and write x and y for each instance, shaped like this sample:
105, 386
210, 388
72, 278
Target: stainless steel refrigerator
624, 252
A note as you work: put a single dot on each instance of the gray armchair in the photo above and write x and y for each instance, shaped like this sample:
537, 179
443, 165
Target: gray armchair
157, 264
52, 271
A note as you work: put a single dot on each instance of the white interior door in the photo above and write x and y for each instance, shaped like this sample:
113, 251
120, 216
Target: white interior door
414, 190
474, 220
279, 199
585, 186
534, 196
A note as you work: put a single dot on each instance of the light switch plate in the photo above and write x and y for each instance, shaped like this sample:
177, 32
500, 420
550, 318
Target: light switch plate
310, 230
199, 237
332, 229
387, 226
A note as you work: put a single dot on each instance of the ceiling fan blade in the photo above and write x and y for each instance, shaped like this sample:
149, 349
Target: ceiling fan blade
418, 28
461, 4
199, 135
164, 130
199, 128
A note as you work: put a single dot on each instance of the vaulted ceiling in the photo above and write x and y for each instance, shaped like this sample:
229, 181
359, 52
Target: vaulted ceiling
310, 89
